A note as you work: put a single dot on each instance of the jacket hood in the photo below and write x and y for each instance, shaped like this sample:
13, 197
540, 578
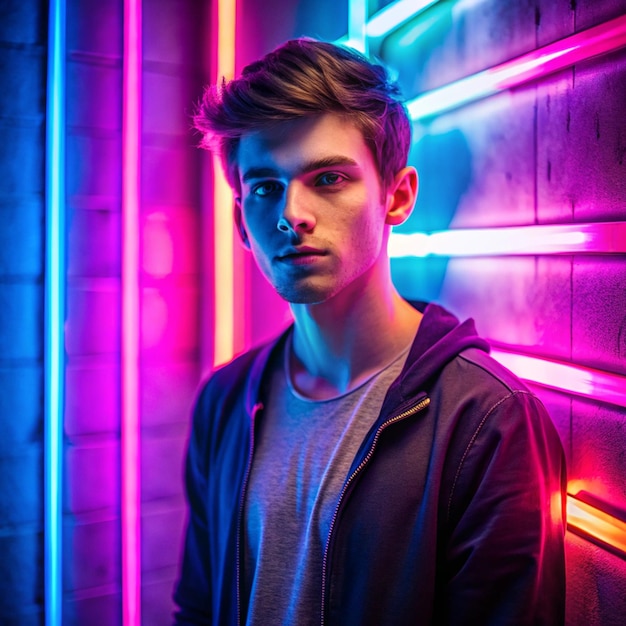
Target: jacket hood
440, 338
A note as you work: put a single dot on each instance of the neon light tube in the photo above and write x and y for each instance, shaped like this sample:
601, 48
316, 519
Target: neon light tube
54, 355
575, 379
224, 296
357, 16
130, 505
588, 238
595, 523
394, 15
600, 39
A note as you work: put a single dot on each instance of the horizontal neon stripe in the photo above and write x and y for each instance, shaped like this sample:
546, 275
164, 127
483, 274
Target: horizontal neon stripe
394, 15
600, 39
588, 238
576, 379
595, 523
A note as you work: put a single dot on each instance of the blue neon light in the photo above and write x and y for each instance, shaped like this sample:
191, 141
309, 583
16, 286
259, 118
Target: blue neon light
54, 313
394, 15
357, 17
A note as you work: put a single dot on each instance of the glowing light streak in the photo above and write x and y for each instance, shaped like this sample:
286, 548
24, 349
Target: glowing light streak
357, 16
131, 138
54, 313
224, 294
595, 523
588, 238
606, 37
575, 379
394, 15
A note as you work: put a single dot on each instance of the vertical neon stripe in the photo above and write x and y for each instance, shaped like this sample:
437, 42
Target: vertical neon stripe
357, 17
54, 355
131, 548
224, 337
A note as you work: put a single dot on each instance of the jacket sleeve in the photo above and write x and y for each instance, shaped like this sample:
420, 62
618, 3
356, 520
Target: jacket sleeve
504, 557
192, 593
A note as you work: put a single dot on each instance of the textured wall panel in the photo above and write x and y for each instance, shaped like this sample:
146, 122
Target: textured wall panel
20, 407
93, 319
581, 142
93, 243
598, 460
21, 236
159, 404
95, 26
596, 594
599, 313
92, 399
100, 79
93, 476
162, 450
21, 307
96, 562
20, 491
520, 301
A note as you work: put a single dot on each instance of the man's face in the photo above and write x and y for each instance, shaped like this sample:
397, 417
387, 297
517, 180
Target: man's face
310, 207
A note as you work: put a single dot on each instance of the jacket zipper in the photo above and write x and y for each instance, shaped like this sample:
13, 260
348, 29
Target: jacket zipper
422, 404
244, 486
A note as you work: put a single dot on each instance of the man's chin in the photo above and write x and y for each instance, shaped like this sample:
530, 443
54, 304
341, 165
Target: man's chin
303, 295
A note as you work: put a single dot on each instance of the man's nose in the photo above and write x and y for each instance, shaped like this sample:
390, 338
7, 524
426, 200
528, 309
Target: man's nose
296, 215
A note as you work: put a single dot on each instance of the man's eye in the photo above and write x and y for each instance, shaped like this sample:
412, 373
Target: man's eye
330, 178
266, 188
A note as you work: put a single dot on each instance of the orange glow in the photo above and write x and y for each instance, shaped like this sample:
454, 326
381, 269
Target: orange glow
597, 524
224, 333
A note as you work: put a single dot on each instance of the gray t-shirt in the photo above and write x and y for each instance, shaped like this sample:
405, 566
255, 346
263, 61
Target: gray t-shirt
303, 453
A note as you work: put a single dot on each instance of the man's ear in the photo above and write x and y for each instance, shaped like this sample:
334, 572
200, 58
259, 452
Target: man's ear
401, 196
240, 226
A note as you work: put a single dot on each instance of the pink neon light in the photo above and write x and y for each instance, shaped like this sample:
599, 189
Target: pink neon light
582, 381
131, 561
588, 238
606, 37
561, 54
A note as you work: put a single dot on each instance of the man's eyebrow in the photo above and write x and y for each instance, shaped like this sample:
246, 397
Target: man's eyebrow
329, 161
255, 173
259, 172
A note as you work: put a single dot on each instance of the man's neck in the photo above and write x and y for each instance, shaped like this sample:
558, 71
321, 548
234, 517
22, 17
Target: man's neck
340, 343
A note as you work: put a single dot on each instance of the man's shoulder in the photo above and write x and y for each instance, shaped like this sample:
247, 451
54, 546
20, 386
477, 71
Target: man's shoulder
484, 366
244, 370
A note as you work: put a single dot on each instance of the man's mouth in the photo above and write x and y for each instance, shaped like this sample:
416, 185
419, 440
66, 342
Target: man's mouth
301, 255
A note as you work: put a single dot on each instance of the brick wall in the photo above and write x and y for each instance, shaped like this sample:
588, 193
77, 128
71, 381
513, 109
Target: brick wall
22, 125
551, 152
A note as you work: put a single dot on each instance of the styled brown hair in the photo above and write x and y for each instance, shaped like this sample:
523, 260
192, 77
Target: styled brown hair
304, 77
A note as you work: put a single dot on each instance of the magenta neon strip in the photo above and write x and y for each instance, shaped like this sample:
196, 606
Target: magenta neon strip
587, 238
131, 562
581, 381
600, 39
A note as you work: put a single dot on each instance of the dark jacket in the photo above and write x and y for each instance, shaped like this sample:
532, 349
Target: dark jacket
452, 512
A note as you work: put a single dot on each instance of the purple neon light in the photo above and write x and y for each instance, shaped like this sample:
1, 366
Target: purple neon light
131, 548
600, 39
588, 238
567, 377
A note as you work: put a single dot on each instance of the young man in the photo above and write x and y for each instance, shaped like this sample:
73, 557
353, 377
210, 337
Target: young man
372, 465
